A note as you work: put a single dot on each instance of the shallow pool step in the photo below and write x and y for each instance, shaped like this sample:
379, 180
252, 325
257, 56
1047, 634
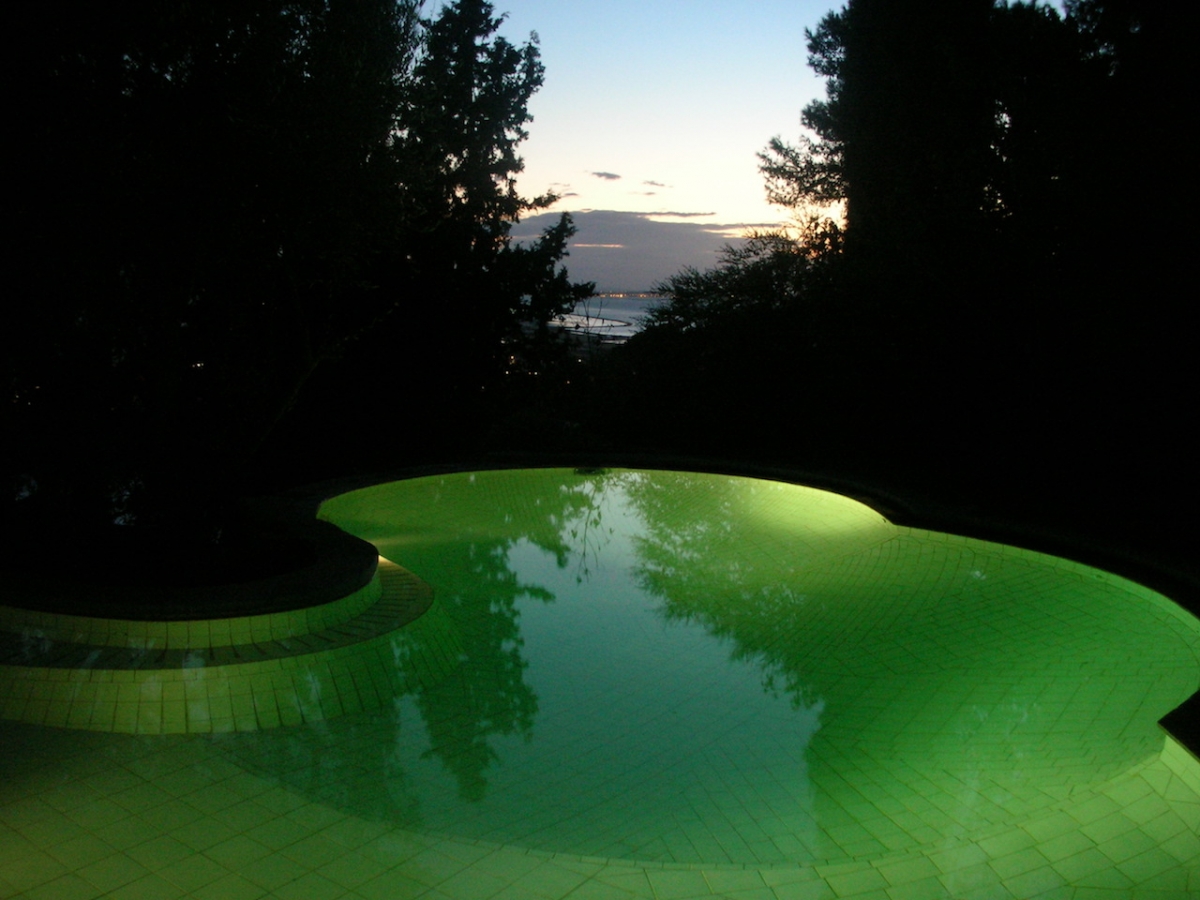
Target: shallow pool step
397, 642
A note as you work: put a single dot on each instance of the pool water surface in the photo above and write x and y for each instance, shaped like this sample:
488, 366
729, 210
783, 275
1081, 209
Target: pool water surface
665, 684
702, 669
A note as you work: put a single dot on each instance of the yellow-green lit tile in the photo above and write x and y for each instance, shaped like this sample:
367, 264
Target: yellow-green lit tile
310, 886
672, 884
97, 814
112, 872
151, 887
313, 851
1147, 865
906, 870
202, 833
391, 885
193, 872
66, 887
278, 832
159, 852
56, 714
237, 852
230, 887
1109, 827
855, 883
199, 634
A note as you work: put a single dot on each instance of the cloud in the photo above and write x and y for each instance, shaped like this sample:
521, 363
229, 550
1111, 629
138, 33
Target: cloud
632, 251
607, 176
654, 183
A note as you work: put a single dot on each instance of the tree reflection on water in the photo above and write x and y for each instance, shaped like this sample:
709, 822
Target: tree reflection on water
645, 654
355, 762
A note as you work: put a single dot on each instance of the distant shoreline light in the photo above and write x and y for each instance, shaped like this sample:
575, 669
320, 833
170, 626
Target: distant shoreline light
630, 295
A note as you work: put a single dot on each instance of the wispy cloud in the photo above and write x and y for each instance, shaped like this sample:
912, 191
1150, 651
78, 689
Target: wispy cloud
654, 183
607, 176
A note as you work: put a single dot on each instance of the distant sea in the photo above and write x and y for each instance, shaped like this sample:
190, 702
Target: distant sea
612, 316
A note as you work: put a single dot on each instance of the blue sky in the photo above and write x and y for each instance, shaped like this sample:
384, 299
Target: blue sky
650, 119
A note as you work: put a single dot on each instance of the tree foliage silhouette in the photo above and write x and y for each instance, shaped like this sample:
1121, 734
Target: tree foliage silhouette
216, 199
207, 188
474, 290
463, 118
1000, 241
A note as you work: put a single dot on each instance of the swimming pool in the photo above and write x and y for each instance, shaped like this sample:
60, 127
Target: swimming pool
652, 684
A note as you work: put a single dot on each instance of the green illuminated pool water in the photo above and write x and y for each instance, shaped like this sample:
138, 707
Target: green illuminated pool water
628, 685
693, 668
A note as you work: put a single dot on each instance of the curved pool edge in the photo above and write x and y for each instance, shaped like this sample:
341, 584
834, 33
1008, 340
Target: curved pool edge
900, 505
1180, 589
222, 675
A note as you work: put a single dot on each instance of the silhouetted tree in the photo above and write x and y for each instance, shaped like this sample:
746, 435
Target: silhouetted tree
215, 199
474, 291
208, 195
769, 271
811, 172
463, 119
1014, 246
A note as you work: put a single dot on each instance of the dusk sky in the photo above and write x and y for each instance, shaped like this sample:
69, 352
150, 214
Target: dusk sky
650, 119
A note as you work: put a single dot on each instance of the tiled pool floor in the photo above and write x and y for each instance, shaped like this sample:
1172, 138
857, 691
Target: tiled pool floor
87, 815
936, 748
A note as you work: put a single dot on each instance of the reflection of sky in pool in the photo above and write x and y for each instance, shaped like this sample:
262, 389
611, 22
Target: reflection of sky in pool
693, 668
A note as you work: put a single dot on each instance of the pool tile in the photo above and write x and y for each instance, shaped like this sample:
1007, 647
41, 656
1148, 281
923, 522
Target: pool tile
1146, 809
67, 887
112, 872
159, 852
193, 872
276, 833
149, 887
677, 885
1036, 882
853, 883
905, 871
230, 887
96, 814
311, 886
392, 885
1148, 865
633, 882
352, 869
1103, 877
1109, 827
237, 852
202, 833
804, 890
